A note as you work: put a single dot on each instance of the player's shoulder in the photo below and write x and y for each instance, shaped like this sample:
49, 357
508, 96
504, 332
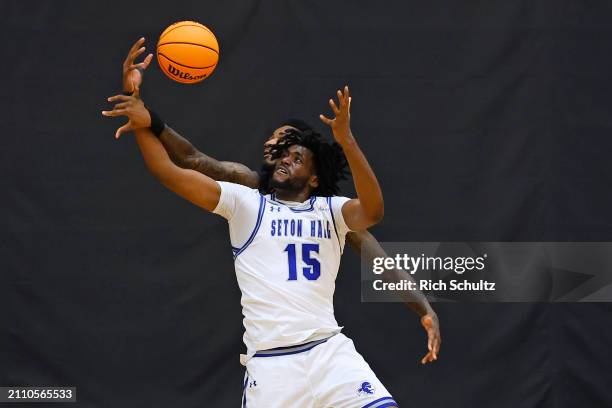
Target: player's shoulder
333, 200
239, 195
237, 188
329, 203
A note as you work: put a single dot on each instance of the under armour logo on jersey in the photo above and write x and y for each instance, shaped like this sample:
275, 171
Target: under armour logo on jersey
366, 388
274, 208
253, 384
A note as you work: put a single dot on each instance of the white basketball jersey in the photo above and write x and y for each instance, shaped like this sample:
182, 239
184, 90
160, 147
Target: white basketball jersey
286, 257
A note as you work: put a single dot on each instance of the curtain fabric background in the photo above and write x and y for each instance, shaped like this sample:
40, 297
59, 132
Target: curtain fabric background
484, 121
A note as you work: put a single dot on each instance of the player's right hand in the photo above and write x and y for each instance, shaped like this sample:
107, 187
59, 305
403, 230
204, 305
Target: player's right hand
432, 326
341, 123
132, 73
133, 107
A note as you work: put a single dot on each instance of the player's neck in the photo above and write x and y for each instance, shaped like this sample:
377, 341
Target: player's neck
292, 195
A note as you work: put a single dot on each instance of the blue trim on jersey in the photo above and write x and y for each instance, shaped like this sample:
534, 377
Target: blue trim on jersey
383, 402
285, 351
246, 380
387, 405
312, 201
262, 207
331, 211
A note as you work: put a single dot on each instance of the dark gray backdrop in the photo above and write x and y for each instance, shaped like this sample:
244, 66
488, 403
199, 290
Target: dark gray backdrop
485, 121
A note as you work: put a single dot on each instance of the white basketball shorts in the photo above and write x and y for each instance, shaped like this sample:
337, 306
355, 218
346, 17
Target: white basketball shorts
327, 373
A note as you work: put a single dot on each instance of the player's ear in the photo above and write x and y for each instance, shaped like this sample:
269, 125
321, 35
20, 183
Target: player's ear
313, 182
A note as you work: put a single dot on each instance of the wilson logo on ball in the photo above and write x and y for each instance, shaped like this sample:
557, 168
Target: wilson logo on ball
184, 75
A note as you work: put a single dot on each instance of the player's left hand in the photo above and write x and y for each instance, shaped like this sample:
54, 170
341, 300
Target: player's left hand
132, 73
133, 107
341, 124
432, 327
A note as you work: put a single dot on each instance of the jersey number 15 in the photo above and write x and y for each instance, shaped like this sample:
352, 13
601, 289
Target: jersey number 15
313, 270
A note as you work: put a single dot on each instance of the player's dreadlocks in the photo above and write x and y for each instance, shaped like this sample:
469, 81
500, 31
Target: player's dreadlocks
329, 161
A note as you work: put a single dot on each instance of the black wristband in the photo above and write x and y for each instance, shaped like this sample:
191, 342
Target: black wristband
157, 124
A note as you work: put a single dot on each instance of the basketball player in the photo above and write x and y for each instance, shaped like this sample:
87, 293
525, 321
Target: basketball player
185, 155
287, 247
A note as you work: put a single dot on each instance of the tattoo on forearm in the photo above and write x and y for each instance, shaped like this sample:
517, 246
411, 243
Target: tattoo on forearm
179, 149
185, 155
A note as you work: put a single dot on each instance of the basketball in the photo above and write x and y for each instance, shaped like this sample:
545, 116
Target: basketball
187, 52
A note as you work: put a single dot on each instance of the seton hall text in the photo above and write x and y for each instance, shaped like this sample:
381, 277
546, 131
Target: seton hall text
298, 228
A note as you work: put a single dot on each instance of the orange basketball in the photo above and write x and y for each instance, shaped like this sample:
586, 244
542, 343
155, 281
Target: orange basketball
187, 52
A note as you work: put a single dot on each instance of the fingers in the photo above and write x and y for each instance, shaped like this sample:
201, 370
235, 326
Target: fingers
326, 120
115, 112
144, 64
425, 359
344, 101
343, 105
136, 45
137, 53
130, 57
136, 50
341, 99
119, 98
121, 105
120, 108
333, 106
435, 344
428, 358
122, 129
436, 347
433, 336
129, 61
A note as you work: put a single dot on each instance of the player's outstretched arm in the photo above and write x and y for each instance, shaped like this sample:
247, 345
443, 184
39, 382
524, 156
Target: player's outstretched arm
369, 208
185, 155
181, 151
201, 190
368, 247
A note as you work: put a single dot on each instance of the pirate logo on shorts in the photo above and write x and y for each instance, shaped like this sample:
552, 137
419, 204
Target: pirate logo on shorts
366, 389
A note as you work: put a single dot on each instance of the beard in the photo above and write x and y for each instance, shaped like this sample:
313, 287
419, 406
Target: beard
267, 183
290, 184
